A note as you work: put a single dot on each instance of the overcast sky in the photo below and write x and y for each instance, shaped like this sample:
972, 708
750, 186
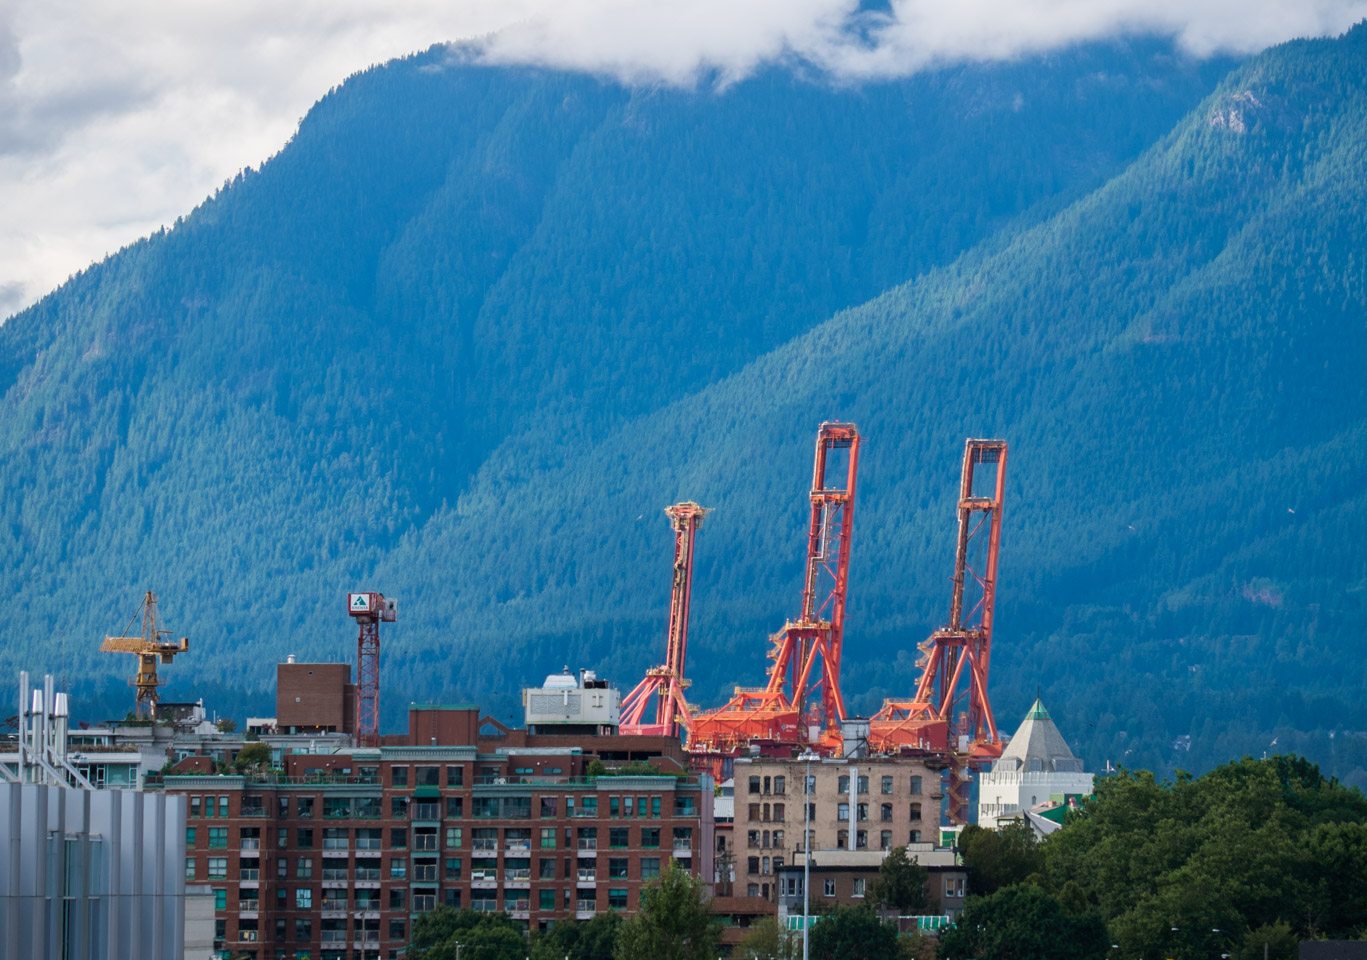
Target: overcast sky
117, 117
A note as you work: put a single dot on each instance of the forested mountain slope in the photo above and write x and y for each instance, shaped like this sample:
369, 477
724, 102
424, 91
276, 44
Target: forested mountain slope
471, 324
1176, 360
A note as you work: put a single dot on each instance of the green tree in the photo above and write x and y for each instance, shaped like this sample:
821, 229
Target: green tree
482, 936
853, 933
252, 755
1022, 922
580, 940
765, 940
999, 858
674, 922
900, 884
1275, 941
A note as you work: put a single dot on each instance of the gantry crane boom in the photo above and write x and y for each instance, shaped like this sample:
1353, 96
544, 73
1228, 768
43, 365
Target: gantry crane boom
667, 683
150, 647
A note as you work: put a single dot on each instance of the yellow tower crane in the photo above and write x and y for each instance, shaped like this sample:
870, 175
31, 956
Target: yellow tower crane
148, 648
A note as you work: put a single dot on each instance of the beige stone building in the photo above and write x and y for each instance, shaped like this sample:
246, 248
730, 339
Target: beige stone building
874, 803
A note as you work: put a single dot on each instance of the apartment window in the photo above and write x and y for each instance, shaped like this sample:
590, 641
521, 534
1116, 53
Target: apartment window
843, 785
398, 867
828, 888
885, 813
280, 931
194, 806
454, 837
619, 837
954, 887
303, 930
859, 886
281, 866
189, 868
398, 838
752, 890
548, 838
424, 872
305, 807
885, 840
398, 898
915, 786
861, 840
396, 929
754, 811
655, 808
424, 901
764, 865
451, 898
220, 898
282, 839
779, 812
915, 836
754, 784
780, 784
842, 811
425, 839
628, 805
189, 836
862, 811
303, 868
842, 839
650, 837
209, 806
398, 808
546, 868
549, 807
588, 806
222, 806
588, 838
650, 868
617, 868
752, 865
398, 776
303, 898
455, 775
426, 776
617, 898
546, 899
683, 838
886, 786
455, 808
336, 838
305, 838
369, 838
863, 784
218, 838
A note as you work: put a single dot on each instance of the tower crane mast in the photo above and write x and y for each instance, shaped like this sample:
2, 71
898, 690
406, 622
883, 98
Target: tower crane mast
369, 610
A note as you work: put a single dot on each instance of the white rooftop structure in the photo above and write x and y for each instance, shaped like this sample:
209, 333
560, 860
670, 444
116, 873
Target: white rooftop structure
573, 700
1036, 766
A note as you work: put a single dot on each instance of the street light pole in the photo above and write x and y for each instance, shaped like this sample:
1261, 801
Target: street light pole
808, 756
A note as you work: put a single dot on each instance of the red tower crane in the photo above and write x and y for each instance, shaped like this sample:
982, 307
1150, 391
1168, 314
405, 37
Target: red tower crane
667, 683
369, 610
951, 714
801, 703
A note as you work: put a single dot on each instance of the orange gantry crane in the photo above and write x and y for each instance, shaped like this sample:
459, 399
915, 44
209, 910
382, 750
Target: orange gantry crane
950, 715
666, 683
801, 702
150, 647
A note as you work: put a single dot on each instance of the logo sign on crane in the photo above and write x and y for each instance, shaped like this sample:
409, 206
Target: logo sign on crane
358, 602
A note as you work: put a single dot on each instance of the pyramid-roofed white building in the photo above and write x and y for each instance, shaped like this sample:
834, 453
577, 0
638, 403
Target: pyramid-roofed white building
1037, 764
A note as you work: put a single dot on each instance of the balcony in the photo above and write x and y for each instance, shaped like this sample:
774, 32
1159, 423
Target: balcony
585, 909
482, 843
518, 846
588, 876
484, 906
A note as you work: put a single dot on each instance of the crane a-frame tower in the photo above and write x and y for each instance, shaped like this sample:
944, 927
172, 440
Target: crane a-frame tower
667, 683
950, 714
801, 703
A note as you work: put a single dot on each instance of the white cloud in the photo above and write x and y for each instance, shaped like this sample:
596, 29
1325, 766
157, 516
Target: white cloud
115, 118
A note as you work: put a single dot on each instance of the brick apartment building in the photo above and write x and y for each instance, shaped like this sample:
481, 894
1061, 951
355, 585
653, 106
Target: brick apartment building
333, 855
856, 804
